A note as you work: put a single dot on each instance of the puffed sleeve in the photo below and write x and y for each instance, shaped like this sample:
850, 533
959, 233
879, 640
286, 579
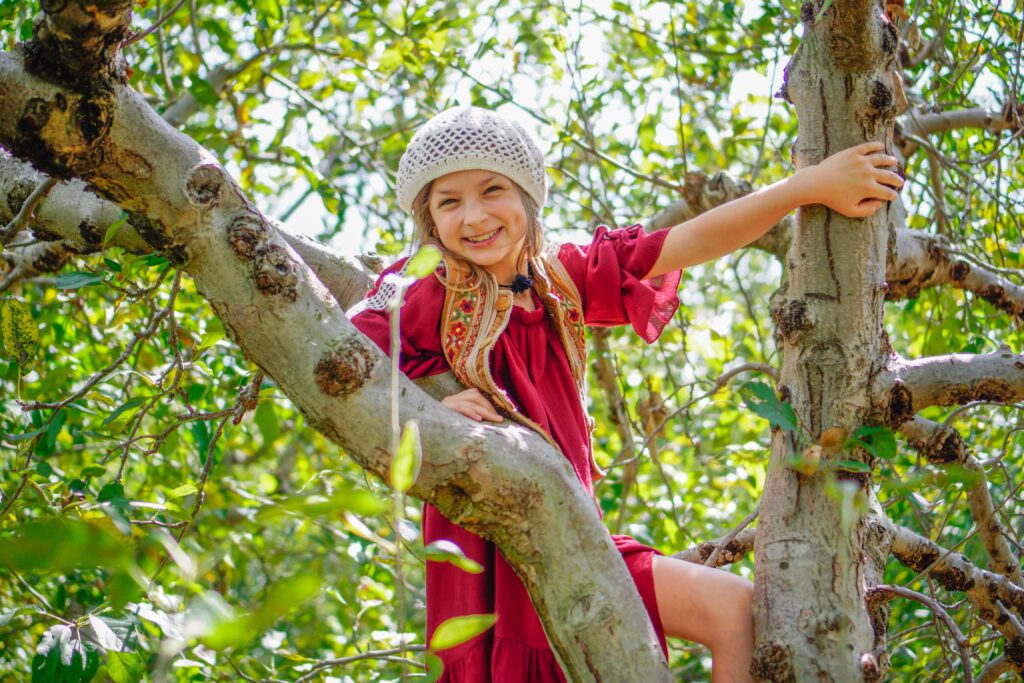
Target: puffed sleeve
419, 323
609, 274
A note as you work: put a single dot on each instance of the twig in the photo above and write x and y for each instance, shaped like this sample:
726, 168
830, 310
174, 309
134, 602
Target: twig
157, 24
371, 654
883, 592
710, 562
18, 223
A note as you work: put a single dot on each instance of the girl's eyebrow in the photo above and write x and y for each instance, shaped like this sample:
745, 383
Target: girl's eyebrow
482, 182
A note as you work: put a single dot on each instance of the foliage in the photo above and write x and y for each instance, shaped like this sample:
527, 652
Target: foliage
159, 487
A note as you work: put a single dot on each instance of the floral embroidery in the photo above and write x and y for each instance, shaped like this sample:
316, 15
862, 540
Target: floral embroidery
466, 306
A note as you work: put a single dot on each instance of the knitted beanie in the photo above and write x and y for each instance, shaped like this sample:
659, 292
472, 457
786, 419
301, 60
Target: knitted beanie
470, 138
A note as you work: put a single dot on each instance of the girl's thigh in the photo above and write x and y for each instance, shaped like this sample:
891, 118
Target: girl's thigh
701, 604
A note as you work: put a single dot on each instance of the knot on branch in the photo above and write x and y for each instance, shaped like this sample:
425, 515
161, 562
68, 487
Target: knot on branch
344, 370
156, 234
76, 43
772, 662
273, 270
792, 319
205, 184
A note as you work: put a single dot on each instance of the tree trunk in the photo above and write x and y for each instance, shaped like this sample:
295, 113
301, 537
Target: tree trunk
817, 545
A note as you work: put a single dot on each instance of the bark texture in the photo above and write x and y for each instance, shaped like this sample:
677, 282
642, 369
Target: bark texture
811, 561
505, 484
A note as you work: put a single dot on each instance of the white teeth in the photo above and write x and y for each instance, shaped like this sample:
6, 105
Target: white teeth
484, 238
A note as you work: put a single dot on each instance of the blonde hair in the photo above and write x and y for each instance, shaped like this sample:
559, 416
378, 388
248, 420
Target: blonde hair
425, 232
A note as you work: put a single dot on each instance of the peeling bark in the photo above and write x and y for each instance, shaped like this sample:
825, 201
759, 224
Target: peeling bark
906, 387
919, 261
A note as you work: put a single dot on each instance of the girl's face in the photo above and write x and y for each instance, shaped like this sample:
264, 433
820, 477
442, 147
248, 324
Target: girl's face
479, 216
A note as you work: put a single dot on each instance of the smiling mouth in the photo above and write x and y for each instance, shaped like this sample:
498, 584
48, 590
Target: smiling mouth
480, 239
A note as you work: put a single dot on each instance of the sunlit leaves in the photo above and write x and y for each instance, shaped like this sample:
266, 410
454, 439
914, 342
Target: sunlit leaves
760, 398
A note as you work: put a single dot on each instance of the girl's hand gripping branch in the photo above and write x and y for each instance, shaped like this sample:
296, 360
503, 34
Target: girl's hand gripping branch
473, 405
853, 182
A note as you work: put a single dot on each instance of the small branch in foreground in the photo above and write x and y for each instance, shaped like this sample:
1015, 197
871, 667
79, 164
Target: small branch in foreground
732, 551
882, 592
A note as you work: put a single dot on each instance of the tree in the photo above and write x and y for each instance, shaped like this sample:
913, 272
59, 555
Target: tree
167, 223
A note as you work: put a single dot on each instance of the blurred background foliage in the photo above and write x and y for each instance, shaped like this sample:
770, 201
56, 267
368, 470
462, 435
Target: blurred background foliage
159, 496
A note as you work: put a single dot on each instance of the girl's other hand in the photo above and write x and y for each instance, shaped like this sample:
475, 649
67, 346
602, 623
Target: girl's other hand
855, 181
473, 405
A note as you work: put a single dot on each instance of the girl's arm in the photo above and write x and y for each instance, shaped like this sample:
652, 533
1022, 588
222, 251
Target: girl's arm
852, 182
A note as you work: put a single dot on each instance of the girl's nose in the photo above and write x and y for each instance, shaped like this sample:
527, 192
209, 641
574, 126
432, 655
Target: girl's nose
473, 212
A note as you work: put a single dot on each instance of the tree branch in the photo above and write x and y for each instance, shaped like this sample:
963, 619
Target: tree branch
919, 260
884, 593
906, 387
942, 445
732, 550
983, 589
921, 124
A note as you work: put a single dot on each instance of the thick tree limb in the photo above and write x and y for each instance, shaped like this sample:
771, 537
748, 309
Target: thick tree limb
906, 387
505, 484
983, 589
942, 445
918, 261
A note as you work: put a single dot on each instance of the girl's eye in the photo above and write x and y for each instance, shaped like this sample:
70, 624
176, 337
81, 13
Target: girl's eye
445, 202
493, 187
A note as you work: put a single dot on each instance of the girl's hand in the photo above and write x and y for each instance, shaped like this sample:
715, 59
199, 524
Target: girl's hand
473, 405
853, 182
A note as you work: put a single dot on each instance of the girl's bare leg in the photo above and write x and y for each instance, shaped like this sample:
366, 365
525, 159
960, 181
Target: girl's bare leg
711, 607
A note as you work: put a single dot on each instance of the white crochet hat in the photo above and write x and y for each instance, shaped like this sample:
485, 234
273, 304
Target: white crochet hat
469, 138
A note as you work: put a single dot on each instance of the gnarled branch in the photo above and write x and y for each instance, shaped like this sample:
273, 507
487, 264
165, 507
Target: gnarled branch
906, 387
919, 260
954, 572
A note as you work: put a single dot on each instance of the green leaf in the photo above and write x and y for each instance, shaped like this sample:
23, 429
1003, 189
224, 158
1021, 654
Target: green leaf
282, 598
423, 262
405, 466
269, 10
852, 466
458, 630
125, 667
203, 91
268, 422
77, 279
761, 399
19, 333
57, 545
446, 551
435, 667
182, 491
356, 500
878, 441
113, 229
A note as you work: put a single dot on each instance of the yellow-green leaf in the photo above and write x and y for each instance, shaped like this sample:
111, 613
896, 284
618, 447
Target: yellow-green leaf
405, 466
19, 332
458, 630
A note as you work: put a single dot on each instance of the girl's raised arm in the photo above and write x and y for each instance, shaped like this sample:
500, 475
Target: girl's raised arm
853, 182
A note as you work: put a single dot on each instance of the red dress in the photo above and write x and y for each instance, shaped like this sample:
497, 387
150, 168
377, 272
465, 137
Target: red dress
528, 361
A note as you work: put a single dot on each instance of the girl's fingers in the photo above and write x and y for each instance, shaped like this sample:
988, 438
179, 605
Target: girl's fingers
889, 179
868, 147
883, 160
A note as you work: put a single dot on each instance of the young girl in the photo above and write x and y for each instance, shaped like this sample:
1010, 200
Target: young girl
505, 313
